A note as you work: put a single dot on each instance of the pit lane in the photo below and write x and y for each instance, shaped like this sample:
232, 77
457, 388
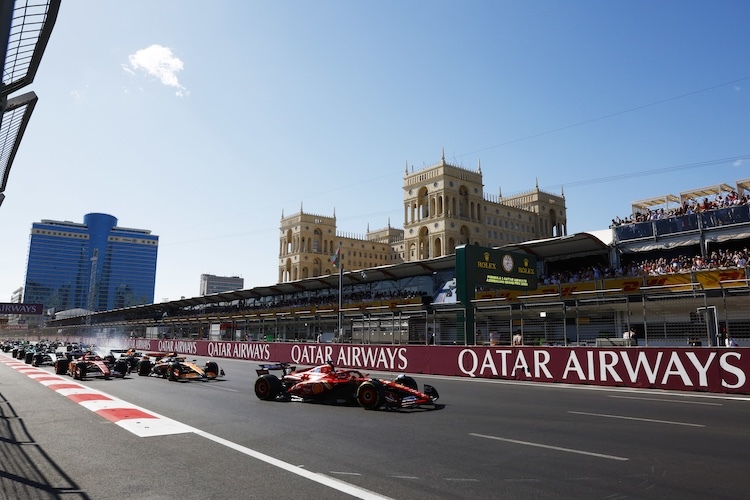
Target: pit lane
492, 439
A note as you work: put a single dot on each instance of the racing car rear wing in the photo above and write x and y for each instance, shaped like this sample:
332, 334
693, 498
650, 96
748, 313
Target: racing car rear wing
286, 368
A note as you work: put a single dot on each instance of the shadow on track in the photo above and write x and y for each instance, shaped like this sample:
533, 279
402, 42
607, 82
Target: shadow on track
26, 472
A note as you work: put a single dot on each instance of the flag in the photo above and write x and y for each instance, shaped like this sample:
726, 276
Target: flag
336, 259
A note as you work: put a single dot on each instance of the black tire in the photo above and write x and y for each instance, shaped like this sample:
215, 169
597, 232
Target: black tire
61, 366
371, 395
267, 387
144, 368
28, 357
212, 369
121, 367
173, 372
37, 360
407, 381
79, 371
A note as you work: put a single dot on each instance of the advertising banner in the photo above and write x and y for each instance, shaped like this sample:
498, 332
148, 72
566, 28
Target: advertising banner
685, 369
17, 308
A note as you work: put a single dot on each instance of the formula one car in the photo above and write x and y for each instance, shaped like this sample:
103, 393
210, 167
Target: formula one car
326, 383
130, 356
174, 367
89, 364
45, 358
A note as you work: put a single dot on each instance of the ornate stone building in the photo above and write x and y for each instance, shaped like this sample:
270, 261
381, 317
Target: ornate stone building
444, 206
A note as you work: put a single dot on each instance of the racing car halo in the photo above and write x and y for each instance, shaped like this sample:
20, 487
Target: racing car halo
326, 383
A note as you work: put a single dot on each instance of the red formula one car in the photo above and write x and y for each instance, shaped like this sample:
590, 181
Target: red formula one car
326, 383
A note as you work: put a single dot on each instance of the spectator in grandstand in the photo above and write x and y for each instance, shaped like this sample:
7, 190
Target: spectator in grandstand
719, 201
731, 342
518, 338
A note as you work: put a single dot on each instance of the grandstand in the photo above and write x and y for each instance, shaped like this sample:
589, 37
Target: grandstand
675, 277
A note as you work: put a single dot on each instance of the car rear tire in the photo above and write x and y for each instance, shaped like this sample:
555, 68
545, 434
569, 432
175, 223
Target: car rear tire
121, 367
144, 367
267, 387
61, 366
37, 360
371, 395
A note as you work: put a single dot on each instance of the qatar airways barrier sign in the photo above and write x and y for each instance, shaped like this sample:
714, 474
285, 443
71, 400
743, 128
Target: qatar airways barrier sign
17, 308
690, 369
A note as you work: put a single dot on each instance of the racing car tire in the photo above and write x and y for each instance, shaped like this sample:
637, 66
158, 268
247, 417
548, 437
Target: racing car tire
173, 372
144, 368
212, 369
28, 358
371, 395
37, 359
407, 381
122, 367
61, 366
79, 371
267, 387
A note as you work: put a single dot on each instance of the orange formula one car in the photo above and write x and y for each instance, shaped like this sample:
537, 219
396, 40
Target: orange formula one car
176, 368
326, 383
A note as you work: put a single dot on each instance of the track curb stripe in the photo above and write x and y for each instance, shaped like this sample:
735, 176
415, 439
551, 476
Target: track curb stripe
128, 416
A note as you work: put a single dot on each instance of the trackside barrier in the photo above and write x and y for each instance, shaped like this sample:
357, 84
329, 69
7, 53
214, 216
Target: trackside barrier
721, 370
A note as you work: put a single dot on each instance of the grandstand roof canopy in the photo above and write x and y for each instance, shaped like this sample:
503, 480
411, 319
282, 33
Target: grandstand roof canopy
703, 192
648, 203
25, 29
566, 247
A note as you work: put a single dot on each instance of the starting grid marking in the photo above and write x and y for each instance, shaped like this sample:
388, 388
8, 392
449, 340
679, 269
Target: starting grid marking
132, 418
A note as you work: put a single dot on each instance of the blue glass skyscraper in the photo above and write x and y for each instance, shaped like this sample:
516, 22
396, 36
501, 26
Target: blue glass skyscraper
96, 265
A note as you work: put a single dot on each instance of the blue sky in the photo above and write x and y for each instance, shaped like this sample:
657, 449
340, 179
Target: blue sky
204, 122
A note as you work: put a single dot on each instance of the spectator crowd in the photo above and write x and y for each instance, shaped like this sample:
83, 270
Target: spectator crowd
719, 201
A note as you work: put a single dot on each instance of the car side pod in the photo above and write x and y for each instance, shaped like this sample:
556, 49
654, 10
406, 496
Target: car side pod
431, 392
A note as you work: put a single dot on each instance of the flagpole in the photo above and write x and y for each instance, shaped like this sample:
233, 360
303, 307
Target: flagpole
337, 261
341, 298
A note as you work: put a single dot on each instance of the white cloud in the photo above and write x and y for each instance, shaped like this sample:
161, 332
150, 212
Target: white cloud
159, 62
738, 163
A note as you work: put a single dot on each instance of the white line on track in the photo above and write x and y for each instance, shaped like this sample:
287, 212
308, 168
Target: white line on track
667, 400
623, 417
549, 447
225, 389
330, 482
